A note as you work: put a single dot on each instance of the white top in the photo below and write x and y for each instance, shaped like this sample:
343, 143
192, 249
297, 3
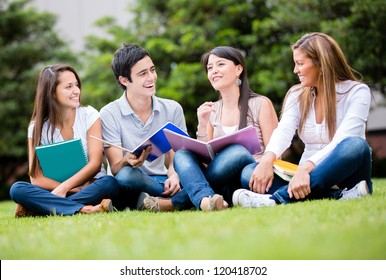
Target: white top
84, 119
352, 109
229, 129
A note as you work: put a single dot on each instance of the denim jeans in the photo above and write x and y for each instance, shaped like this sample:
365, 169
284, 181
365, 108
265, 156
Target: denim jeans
221, 175
134, 180
42, 202
348, 164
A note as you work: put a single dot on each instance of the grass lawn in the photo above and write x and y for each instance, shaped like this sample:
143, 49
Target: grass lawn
312, 230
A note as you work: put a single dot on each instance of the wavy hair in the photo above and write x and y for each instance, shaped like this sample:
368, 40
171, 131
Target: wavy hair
333, 67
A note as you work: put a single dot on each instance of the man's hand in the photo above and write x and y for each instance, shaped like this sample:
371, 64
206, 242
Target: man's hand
135, 161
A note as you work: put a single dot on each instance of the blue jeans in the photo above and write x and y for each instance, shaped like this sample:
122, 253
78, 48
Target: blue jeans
134, 180
221, 175
348, 164
42, 202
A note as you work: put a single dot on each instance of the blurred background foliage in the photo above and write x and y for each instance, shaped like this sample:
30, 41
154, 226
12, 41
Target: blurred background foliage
177, 33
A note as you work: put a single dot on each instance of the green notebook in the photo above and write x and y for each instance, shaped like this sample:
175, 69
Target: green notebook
61, 160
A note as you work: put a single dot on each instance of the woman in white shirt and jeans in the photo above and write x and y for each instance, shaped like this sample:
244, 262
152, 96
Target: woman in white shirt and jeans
329, 110
58, 115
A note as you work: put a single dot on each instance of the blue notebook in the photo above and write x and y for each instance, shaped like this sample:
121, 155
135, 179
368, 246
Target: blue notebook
157, 140
61, 160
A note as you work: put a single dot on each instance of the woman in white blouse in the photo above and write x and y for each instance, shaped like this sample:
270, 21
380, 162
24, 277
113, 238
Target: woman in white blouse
57, 116
329, 110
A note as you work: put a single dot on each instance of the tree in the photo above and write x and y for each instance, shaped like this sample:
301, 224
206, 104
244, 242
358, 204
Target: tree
177, 32
355, 24
27, 42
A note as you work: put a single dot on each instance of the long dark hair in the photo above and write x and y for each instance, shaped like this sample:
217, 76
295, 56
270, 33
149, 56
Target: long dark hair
246, 93
46, 107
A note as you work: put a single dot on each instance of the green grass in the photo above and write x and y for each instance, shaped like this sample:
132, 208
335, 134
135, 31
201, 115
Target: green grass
314, 230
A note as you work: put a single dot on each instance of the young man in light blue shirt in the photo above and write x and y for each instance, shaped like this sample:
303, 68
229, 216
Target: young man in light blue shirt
131, 119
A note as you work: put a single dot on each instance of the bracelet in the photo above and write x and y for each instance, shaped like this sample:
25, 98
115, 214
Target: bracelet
201, 136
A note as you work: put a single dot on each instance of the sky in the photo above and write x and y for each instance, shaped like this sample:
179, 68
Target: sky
76, 18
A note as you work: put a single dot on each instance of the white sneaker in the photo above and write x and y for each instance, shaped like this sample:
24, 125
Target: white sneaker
246, 198
359, 190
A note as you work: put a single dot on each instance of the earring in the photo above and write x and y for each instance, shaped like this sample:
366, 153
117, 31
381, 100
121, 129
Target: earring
239, 82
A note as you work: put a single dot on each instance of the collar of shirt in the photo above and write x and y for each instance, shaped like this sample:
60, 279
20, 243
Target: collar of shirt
126, 109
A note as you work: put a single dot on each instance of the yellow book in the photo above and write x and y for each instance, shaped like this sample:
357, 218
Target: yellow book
284, 169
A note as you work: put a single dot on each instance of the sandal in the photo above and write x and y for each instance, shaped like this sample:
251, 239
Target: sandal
151, 203
106, 206
21, 212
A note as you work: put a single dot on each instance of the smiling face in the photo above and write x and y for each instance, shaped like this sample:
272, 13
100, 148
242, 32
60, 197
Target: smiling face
305, 68
143, 78
67, 91
222, 73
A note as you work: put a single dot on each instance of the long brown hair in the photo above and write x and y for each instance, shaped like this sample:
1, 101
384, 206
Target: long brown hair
246, 93
46, 107
333, 66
